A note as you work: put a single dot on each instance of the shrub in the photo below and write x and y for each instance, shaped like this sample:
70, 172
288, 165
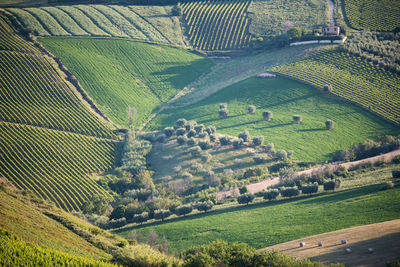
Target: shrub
183, 210
237, 143
191, 141
199, 128
243, 190
310, 188
267, 115
176, 11
258, 140
271, 194
169, 131
180, 123
270, 148
141, 218
396, 174
190, 125
252, 173
223, 106
341, 171
281, 154
396, 159
181, 140
204, 145
297, 119
245, 136
245, 198
177, 169
329, 124
213, 138
327, 88
161, 138
191, 133
211, 130
223, 113
260, 158
180, 131
388, 185
331, 185
195, 151
204, 206
251, 109
206, 157
162, 214
289, 191
225, 140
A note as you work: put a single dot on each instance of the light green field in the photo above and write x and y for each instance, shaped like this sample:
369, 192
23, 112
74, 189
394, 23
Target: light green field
269, 17
266, 224
121, 73
285, 98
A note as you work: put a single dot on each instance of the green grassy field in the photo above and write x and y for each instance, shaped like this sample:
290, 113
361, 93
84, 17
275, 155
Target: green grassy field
120, 73
268, 17
266, 224
285, 98
351, 78
375, 15
217, 25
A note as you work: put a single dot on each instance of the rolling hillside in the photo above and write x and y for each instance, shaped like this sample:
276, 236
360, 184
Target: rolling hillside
217, 25
285, 98
146, 23
122, 73
351, 78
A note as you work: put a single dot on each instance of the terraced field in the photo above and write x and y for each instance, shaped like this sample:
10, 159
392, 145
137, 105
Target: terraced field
155, 24
376, 15
217, 25
351, 78
119, 73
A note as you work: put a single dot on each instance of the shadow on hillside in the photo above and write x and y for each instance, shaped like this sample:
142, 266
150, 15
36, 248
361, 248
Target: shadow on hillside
312, 130
287, 101
274, 126
239, 124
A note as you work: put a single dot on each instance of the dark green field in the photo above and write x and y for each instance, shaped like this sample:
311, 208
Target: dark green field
120, 73
285, 98
266, 224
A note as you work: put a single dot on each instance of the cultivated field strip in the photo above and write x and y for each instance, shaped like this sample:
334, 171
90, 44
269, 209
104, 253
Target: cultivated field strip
12, 42
52, 164
351, 78
217, 25
378, 15
89, 20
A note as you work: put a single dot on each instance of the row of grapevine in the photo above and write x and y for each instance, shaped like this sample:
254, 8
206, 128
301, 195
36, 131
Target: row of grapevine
217, 25
89, 20
32, 91
351, 78
379, 15
16, 252
52, 164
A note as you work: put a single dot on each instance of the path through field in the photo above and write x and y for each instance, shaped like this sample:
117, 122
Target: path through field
383, 238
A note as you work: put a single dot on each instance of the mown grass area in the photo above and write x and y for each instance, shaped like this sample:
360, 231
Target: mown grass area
376, 15
120, 73
266, 224
269, 17
285, 98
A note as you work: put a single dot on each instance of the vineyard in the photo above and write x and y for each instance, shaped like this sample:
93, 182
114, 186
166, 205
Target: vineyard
217, 25
351, 78
15, 252
100, 20
121, 73
377, 15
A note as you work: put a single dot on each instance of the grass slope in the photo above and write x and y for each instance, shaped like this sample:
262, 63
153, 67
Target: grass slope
285, 98
268, 17
271, 223
375, 15
120, 73
351, 78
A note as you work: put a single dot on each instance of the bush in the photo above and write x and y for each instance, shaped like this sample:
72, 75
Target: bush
191, 133
176, 11
260, 158
341, 171
332, 185
196, 166
297, 119
396, 159
161, 138
281, 154
181, 140
267, 115
310, 188
190, 125
169, 131
180, 131
213, 138
206, 157
396, 174
252, 173
245, 198
251, 109
204, 145
177, 169
161, 214
270, 148
258, 140
237, 143
204, 206
223, 113
329, 124
141, 218
245, 136
243, 190
183, 210
271, 194
289, 191
225, 140
199, 128
117, 223
388, 185
195, 151
180, 123
191, 141
327, 88
211, 130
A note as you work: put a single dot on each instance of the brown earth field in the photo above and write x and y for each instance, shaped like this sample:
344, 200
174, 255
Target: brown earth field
383, 238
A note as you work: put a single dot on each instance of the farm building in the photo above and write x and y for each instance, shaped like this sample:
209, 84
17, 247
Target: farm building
332, 30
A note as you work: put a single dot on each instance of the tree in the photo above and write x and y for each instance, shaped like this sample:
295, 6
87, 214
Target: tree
204, 145
289, 191
267, 115
243, 190
176, 11
180, 123
245, 136
332, 185
223, 113
195, 151
281, 154
251, 109
225, 140
294, 33
245, 198
98, 204
199, 128
141, 218
183, 210
329, 124
237, 143
190, 125
223, 106
118, 212
211, 130
181, 140
327, 88
271, 194
310, 188
297, 119
191, 133
169, 131
180, 131
204, 206
161, 214
258, 140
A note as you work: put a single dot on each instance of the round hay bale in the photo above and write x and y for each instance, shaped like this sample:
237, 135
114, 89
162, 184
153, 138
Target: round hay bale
370, 250
344, 241
319, 243
302, 244
348, 250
